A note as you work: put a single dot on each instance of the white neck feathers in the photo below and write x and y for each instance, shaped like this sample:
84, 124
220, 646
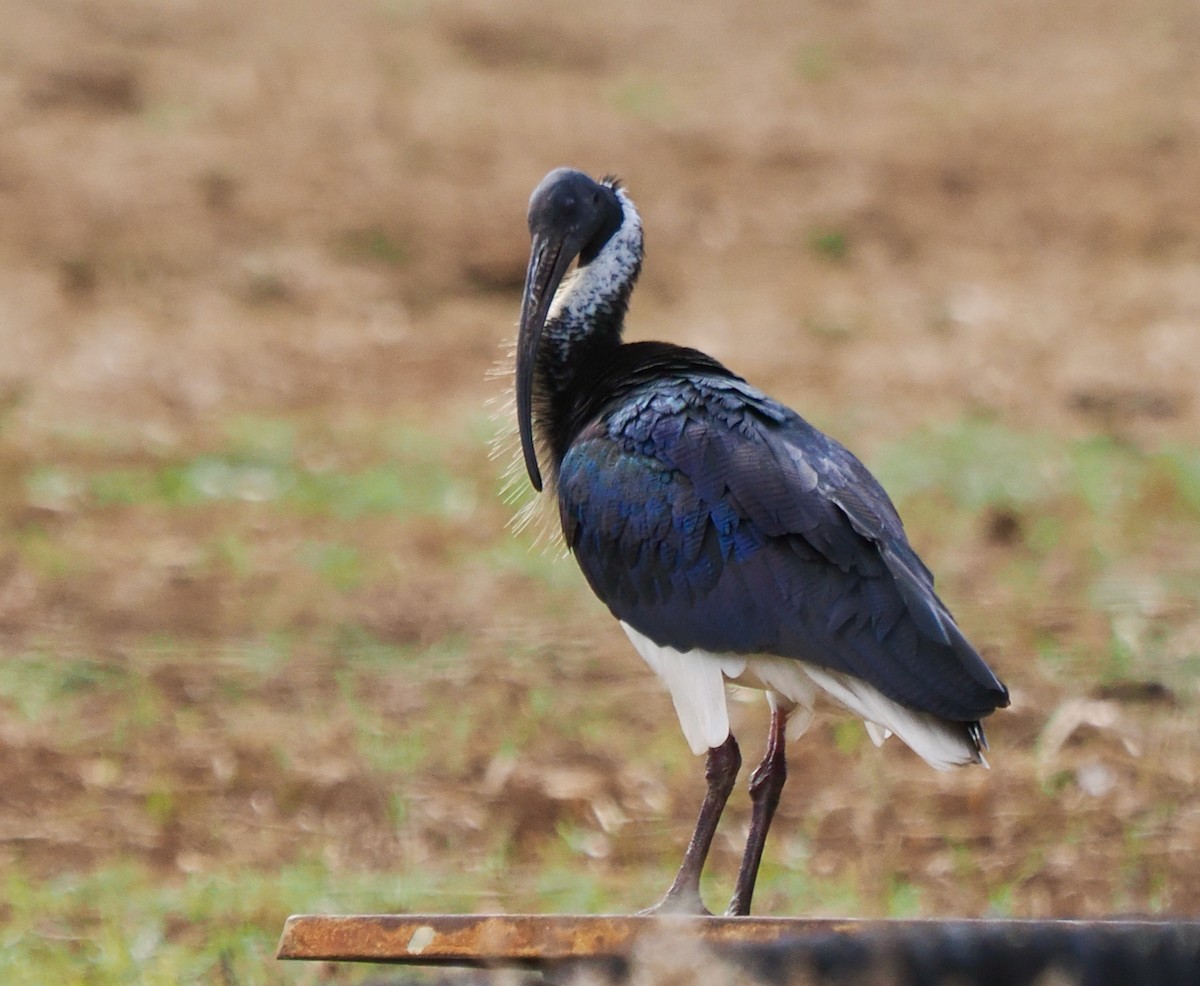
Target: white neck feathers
590, 288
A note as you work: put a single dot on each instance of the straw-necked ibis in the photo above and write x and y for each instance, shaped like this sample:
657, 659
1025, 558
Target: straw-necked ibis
732, 540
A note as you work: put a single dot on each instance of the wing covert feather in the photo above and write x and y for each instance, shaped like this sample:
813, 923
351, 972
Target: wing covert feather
707, 516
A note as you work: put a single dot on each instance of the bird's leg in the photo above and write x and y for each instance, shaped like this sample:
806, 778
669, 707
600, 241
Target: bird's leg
721, 770
766, 784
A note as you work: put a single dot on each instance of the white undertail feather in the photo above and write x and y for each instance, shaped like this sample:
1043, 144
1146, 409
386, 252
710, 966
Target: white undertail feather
696, 681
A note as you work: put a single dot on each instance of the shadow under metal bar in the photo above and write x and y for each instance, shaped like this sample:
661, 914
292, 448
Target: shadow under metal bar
1127, 952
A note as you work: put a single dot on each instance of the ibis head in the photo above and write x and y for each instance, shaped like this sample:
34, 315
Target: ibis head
571, 217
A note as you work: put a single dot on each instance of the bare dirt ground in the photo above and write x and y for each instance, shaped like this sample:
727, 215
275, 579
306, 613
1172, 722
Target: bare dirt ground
891, 215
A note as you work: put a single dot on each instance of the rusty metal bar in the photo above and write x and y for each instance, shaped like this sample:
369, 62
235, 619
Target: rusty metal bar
541, 941
508, 939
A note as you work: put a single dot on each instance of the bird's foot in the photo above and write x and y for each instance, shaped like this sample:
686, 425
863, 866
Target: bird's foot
678, 903
737, 909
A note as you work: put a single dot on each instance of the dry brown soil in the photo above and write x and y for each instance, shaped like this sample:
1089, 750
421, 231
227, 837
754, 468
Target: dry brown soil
889, 214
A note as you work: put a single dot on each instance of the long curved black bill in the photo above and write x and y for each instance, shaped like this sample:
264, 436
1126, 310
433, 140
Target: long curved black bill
549, 259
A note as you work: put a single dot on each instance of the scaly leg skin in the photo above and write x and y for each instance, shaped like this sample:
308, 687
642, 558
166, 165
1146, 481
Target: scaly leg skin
721, 770
766, 784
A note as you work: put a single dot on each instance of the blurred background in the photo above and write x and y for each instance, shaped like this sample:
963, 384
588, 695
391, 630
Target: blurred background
266, 642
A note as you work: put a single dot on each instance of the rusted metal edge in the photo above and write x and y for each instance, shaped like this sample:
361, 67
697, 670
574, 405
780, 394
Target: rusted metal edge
534, 940
512, 939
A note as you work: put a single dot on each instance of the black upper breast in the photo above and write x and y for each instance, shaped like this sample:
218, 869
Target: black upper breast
626, 377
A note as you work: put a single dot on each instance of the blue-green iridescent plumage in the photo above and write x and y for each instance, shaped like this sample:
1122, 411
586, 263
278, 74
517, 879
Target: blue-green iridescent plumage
707, 515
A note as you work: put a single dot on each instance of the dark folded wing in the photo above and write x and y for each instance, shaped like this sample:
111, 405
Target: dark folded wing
707, 516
